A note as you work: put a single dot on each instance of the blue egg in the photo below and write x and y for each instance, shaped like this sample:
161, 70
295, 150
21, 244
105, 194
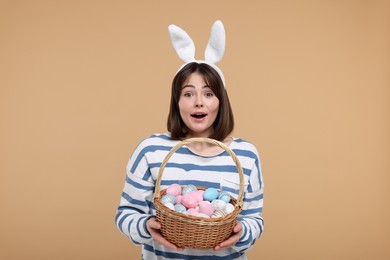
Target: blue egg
210, 194
168, 198
180, 208
223, 195
188, 189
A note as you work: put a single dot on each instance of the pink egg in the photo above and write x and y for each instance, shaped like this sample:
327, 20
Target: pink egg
202, 215
174, 189
178, 199
189, 201
206, 208
197, 194
192, 211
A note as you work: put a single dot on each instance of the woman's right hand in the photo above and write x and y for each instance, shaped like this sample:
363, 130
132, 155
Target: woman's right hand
154, 229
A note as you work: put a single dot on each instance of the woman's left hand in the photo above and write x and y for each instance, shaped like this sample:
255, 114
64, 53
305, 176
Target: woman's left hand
232, 240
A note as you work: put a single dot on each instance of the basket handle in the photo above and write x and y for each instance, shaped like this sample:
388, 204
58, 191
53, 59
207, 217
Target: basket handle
210, 141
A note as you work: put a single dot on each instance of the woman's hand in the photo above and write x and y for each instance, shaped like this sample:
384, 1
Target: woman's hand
233, 239
154, 229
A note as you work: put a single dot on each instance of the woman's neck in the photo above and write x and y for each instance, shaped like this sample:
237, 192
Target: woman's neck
208, 149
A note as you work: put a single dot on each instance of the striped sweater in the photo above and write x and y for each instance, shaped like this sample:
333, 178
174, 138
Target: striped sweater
186, 167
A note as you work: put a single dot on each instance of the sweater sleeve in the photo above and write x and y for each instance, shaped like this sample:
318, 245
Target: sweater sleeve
251, 215
136, 200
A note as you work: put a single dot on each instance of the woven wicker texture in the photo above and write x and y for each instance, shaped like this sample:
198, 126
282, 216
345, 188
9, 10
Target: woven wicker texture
190, 231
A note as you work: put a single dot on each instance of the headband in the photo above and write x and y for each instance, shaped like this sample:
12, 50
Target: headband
185, 47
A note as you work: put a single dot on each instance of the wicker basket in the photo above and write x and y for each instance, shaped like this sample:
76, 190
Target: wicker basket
190, 231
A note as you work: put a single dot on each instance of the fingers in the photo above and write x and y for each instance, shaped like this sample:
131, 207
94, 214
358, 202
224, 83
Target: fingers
152, 223
232, 240
154, 229
237, 228
161, 240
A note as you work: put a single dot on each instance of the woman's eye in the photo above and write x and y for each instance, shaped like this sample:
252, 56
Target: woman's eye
187, 94
209, 94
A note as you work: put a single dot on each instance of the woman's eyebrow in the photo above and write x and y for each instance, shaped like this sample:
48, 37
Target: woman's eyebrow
188, 86
192, 86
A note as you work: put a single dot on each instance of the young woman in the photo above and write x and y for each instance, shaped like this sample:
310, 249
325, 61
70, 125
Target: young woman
199, 108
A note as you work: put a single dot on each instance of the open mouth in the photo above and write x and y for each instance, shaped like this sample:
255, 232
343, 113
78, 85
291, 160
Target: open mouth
198, 115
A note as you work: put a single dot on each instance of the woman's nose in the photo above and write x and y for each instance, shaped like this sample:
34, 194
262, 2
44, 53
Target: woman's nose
198, 102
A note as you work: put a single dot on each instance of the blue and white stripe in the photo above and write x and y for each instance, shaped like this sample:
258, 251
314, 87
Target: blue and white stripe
186, 167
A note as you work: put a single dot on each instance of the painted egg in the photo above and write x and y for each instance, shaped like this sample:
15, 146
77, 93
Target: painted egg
170, 206
206, 208
178, 199
180, 208
210, 194
198, 194
202, 215
201, 193
189, 201
192, 211
168, 198
187, 189
223, 195
174, 189
218, 204
229, 208
218, 214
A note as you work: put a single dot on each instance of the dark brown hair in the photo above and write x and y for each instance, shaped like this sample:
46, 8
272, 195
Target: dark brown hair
223, 124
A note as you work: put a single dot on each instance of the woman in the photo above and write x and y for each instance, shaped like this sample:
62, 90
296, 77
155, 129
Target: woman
199, 108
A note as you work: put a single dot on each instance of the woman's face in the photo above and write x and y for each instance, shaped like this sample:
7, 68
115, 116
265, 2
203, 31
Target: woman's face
198, 106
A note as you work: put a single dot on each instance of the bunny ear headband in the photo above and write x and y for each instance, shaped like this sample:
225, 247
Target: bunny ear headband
185, 47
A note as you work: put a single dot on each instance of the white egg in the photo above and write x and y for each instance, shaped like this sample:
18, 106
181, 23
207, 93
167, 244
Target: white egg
218, 204
229, 208
219, 213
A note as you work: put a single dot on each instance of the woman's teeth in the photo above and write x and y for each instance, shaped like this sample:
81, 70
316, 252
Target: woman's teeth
198, 115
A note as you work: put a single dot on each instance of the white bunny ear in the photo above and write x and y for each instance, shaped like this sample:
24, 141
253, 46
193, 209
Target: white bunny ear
182, 43
216, 45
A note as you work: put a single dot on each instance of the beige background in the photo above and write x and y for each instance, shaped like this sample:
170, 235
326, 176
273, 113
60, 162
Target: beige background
82, 82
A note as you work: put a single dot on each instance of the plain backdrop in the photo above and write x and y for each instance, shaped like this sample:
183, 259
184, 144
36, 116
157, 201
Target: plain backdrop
83, 82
